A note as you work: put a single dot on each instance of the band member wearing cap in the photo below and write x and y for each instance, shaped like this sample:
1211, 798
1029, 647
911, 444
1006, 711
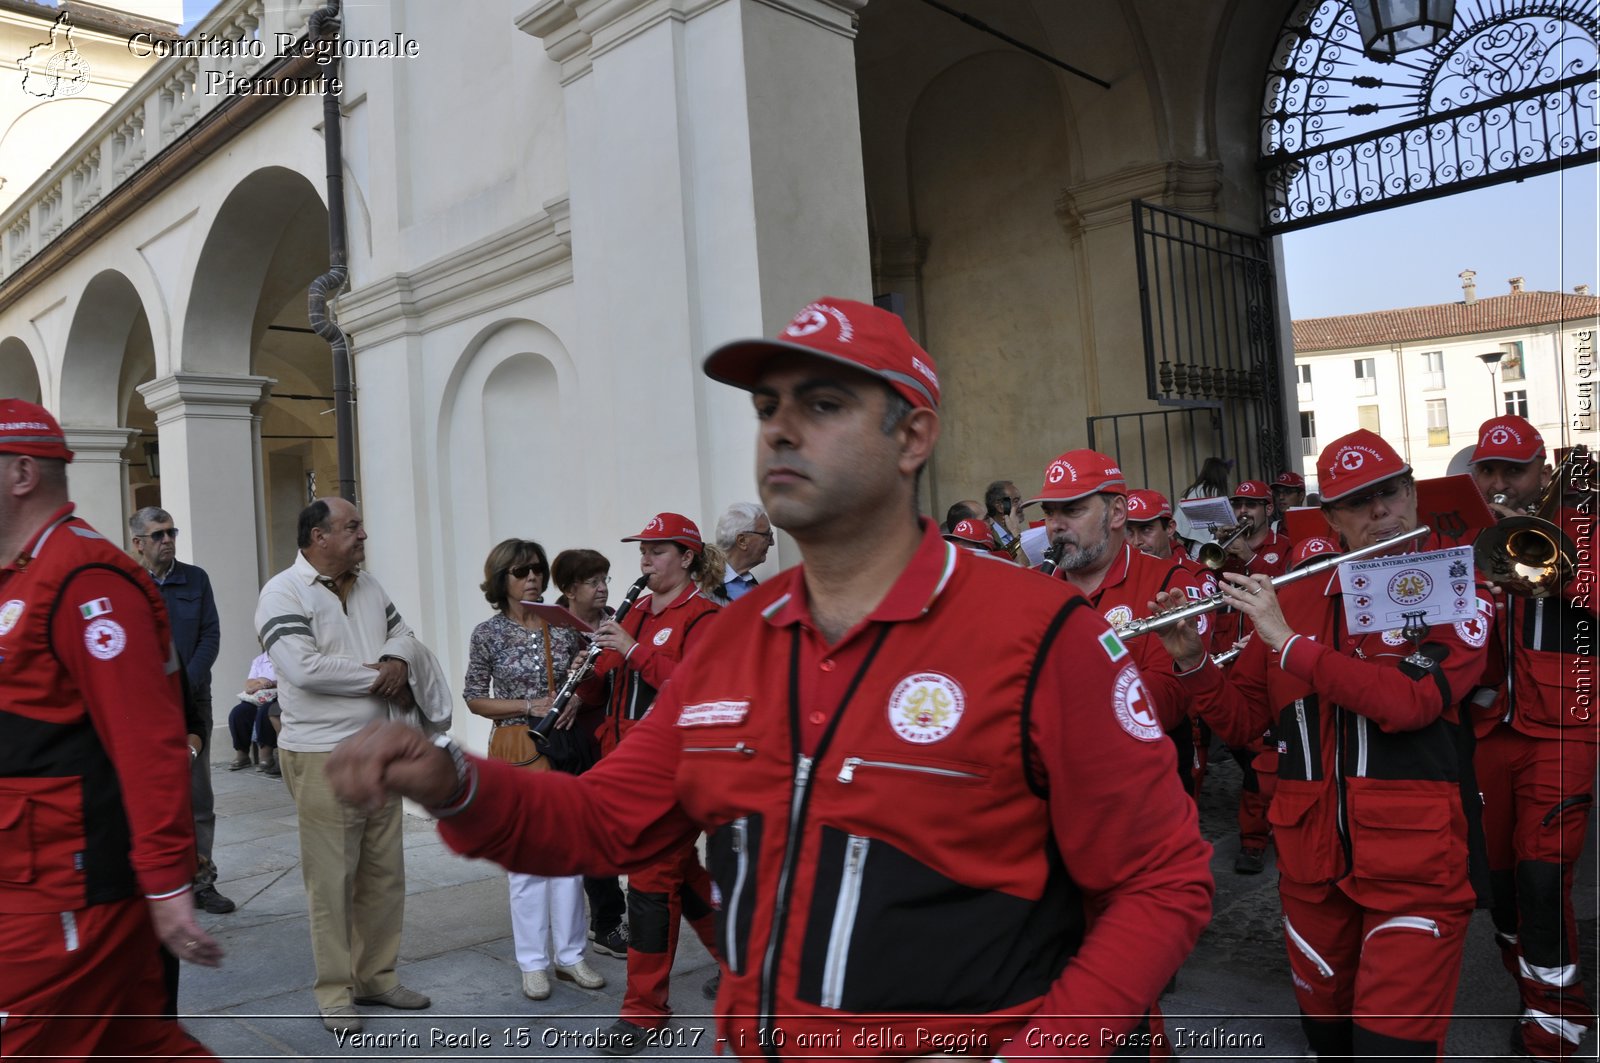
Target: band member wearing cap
939, 802
642, 653
1151, 529
1288, 491
96, 836
974, 535
1536, 763
1369, 816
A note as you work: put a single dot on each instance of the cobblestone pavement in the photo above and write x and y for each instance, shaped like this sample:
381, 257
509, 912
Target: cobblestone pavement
1232, 998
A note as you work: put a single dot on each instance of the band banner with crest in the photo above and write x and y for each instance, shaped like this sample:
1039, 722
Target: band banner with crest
1409, 590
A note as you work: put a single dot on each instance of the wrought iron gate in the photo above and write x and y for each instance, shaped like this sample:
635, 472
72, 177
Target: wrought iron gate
1208, 298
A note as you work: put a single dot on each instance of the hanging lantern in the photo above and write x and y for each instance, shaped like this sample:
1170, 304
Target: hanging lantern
1389, 27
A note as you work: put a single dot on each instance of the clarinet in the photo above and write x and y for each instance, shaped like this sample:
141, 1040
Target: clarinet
1052, 558
540, 729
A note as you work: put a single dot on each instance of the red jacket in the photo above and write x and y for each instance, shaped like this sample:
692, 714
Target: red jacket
1125, 594
663, 638
961, 818
1371, 757
94, 766
1270, 559
1548, 646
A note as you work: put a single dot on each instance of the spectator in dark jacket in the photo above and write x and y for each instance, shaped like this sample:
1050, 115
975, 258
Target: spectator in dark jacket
197, 634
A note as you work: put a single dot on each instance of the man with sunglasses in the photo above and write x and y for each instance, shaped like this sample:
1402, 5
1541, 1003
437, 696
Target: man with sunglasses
197, 634
1375, 784
745, 535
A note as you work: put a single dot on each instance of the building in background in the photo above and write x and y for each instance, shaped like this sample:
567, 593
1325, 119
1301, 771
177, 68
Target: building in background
1425, 377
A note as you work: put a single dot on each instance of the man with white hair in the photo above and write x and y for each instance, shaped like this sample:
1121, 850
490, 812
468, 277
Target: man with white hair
745, 535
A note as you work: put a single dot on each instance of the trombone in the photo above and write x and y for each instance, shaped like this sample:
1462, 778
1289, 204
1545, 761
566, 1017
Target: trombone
1143, 626
1530, 556
1215, 555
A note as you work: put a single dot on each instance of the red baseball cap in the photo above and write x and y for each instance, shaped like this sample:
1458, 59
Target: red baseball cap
1253, 490
1354, 462
1147, 505
670, 528
1293, 481
969, 531
1311, 549
27, 428
1508, 439
1079, 474
839, 330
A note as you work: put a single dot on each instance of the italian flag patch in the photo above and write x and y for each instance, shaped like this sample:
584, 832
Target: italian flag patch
98, 607
1113, 646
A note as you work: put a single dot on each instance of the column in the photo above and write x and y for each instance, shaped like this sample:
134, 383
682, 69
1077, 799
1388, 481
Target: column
208, 484
98, 478
714, 160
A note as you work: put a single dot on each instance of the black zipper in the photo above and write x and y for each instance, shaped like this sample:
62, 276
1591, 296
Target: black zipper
1339, 756
799, 799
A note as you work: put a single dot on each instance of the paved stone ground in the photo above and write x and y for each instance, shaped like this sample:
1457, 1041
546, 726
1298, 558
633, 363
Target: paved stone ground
457, 948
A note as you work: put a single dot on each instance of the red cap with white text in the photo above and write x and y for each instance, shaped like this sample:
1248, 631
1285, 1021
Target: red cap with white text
1292, 481
28, 428
1147, 505
1079, 474
1253, 491
1310, 549
975, 532
670, 528
1510, 439
1355, 462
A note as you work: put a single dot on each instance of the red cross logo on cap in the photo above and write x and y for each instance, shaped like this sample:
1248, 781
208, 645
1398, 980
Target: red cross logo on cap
1499, 437
806, 322
1351, 460
654, 525
1057, 472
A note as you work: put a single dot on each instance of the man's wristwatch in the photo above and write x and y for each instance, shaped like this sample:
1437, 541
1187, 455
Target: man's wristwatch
458, 758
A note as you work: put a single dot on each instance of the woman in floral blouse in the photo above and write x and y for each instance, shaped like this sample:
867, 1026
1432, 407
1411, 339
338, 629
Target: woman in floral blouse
514, 663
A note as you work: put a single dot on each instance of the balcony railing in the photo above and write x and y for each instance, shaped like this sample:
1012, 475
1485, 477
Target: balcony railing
156, 111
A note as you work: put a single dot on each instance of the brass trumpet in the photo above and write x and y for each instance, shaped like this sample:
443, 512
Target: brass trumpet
1530, 556
1215, 555
1144, 625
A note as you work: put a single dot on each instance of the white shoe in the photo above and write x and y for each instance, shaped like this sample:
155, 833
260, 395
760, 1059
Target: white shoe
582, 974
536, 985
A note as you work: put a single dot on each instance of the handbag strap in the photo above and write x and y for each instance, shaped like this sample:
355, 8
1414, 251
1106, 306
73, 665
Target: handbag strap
549, 683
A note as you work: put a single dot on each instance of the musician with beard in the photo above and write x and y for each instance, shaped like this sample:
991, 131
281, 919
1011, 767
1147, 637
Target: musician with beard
1085, 505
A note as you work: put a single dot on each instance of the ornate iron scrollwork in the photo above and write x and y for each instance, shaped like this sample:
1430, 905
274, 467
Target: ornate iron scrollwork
1510, 93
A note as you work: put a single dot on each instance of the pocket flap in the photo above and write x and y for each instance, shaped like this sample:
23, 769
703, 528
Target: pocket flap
1289, 807
1393, 811
12, 807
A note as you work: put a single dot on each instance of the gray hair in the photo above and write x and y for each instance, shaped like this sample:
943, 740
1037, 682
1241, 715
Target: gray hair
740, 517
147, 516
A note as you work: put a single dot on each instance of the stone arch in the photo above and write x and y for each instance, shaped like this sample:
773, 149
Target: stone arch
109, 340
259, 250
19, 371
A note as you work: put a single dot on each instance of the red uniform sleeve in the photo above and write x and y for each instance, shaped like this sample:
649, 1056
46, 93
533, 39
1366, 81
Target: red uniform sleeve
1397, 699
130, 687
615, 818
1155, 663
1130, 838
1234, 703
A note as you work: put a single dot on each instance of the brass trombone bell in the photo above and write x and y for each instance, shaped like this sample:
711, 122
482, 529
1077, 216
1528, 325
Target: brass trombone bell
1215, 555
1530, 556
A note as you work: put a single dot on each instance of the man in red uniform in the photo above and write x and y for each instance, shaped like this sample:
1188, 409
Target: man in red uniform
1288, 491
941, 810
1536, 763
96, 835
1374, 775
639, 655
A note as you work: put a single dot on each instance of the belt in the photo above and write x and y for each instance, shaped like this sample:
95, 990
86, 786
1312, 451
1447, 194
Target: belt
511, 721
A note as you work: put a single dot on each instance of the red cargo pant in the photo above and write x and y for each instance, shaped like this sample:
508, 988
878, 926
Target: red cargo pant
1537, 793
1373, 984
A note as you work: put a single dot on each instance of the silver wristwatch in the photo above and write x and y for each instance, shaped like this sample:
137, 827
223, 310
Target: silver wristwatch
458, 758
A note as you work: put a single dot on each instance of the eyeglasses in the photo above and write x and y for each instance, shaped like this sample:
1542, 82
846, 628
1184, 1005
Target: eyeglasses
596, 582
1385, 494
160, 534
521, 571
767, 535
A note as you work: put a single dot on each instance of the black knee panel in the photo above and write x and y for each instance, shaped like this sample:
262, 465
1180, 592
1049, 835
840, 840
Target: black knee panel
649, 917
1503, 908
1330, 1039
1370, 1045
695, 907
1539, 911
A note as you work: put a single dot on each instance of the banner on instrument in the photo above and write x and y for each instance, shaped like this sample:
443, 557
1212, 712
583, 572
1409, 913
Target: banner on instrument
1384, 593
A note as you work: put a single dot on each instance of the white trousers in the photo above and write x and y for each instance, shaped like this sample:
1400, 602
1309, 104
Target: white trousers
543, 909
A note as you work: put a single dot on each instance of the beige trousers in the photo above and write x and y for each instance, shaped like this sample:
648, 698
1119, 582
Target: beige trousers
355, 876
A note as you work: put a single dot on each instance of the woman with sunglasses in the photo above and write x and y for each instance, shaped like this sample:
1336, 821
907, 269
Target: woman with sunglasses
514, 662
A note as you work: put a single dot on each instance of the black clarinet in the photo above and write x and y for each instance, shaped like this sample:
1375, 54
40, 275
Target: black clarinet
540, 729
1052, 558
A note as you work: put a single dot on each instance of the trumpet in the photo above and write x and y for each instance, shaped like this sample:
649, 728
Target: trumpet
1215, 555
1530, 556
1143, 626
539, 730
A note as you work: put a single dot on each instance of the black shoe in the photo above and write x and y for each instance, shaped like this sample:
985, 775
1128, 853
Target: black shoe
1250, 862
623, 1038
212, 901
613, 944
709, 990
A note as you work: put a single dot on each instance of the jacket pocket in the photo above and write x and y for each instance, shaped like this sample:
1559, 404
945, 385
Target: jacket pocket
1406, 837
1305, 850
1542, 699
16, 839
885, 932
732, 856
